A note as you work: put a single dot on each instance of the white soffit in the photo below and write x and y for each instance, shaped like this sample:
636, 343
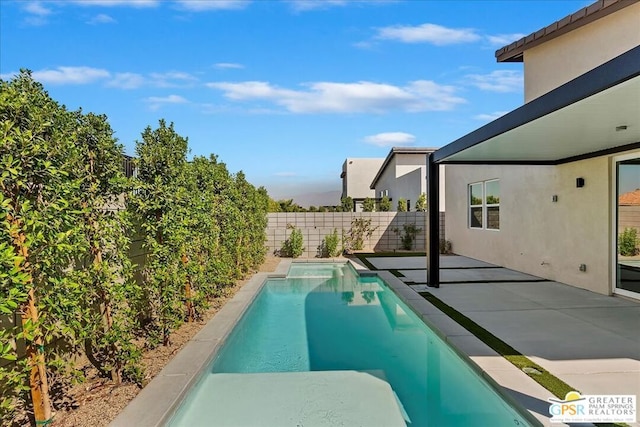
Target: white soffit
584, 127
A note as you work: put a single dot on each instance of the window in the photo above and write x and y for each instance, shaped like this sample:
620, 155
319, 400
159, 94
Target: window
492, 203
475, 205
484, 205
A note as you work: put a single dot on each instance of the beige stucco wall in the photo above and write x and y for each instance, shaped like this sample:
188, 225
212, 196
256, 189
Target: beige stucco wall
359, 172
538, 236
405, 177
566, 57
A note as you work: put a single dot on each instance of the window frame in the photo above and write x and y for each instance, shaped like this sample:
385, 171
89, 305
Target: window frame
491, 205
470, 206
484, 206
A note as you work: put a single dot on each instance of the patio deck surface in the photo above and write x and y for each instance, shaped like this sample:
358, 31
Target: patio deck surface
590, 341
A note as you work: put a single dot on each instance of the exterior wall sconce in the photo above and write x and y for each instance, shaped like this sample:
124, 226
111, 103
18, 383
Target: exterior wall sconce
621, 128
554, 198
579, 182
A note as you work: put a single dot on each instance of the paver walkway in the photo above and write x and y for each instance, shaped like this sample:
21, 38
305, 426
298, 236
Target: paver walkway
590, 341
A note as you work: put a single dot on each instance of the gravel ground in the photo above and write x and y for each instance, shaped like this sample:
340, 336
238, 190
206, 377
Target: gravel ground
97, 401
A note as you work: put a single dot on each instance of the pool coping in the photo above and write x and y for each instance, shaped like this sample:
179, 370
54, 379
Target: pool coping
513, 385
160, 399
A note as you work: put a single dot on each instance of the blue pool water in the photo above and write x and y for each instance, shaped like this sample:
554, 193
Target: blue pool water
325, 317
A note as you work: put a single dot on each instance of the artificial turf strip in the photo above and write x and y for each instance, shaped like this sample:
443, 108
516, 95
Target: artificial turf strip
555, 385
396, 273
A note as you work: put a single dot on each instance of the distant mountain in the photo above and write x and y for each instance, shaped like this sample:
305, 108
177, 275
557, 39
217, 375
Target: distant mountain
327, 198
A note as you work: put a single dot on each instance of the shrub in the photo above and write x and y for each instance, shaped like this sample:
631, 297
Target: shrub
402, 205
385, 204
628, 241
445, 246
410, 231
369, 205
347, 204
330, 245
421, 204
292, 247
360, 231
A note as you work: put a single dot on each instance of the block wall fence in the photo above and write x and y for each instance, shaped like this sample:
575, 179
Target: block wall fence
316, 225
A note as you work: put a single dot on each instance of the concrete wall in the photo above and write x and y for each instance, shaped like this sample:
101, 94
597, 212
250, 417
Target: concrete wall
538, 236
315, 226
570, 55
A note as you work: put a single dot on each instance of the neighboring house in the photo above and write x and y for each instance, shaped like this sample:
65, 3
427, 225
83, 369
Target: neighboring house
128, 166
538, 189
629, 209
402, 175
357, 174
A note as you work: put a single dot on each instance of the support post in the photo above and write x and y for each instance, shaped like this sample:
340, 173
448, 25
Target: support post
433, 222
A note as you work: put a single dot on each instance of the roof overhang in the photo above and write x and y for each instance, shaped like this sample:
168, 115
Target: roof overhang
514, 52
392, 154
594, 114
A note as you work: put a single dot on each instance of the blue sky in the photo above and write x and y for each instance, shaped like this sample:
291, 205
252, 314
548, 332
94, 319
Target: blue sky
283, 90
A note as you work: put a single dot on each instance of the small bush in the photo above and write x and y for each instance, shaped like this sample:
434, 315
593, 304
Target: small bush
385, 204
421, 204
359, 232
402, 205
628, 241
369, 205
445, 246
292, 247
347, 204
410, 231
330, 245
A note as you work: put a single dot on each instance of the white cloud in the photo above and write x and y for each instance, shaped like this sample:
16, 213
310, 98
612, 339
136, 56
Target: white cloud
110, 3
172, 79
390, 139
428, 33
127, 81
8, 76
203, 5
38, 13
498, 81
36, 8
490, 117
228, 65
305, 5
71, 75
101, 18
155, 102
504, 39
359, 97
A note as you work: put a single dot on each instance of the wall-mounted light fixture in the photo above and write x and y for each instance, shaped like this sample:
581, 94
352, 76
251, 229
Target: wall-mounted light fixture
554, 198
621, 128
579, 182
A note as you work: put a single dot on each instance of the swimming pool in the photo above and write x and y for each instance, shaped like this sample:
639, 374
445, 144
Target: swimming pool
325, 318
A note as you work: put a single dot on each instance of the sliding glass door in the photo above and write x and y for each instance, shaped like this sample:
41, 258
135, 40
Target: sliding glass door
627, 225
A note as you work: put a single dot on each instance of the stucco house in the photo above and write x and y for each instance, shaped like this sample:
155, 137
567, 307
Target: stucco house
356, 176
538, 189
402, 175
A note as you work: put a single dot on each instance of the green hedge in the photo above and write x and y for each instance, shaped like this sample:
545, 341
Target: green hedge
67, 213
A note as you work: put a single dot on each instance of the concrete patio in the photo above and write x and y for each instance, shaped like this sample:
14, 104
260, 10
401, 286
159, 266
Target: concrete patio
590, 341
